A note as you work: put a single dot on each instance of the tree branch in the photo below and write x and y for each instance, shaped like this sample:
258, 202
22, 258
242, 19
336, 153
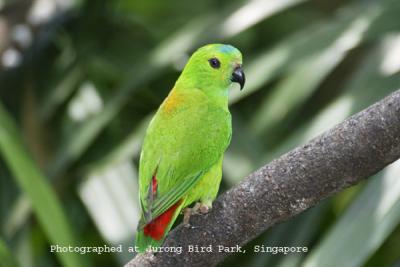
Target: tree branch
343, 156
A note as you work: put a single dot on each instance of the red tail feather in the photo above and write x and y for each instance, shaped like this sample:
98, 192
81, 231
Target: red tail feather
156, 228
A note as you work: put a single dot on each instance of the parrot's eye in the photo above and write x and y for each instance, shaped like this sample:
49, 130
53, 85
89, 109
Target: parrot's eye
214, 63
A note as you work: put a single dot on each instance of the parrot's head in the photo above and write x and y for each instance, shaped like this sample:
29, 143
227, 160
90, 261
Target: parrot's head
214, 67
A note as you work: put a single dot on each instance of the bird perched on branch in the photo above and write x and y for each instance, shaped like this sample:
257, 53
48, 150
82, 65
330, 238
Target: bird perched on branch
181, 159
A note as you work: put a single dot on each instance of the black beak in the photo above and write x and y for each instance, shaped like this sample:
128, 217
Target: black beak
238, 77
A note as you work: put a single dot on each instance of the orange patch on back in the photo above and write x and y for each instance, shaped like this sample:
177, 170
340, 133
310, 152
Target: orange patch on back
171, 102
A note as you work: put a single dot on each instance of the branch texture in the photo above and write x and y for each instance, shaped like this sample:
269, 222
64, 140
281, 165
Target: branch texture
350, 152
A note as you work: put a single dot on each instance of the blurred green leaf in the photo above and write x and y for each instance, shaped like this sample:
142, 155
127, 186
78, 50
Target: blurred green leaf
62, 91
43, 199
126, 150
243, 154
111, 198
330, 36
366, 86
6, 258
239, 20
298, 232
305, 77
365, 225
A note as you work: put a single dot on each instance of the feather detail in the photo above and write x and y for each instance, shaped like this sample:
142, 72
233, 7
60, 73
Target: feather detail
156, 228
154, 184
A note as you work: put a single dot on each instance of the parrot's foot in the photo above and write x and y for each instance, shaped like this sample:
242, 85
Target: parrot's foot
201, 208
198, 208
204, 208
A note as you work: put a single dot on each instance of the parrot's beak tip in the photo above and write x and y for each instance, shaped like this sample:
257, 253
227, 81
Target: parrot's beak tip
238, 77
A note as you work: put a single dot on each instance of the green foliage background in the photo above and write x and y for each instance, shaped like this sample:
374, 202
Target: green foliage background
73, 115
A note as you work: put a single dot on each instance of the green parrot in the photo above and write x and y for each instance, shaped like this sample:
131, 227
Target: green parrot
181, 159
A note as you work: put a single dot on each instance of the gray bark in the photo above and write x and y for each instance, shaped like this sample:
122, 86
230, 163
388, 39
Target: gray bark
343, 156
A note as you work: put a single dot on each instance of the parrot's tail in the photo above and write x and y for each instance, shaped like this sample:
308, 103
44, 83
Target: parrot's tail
153, 233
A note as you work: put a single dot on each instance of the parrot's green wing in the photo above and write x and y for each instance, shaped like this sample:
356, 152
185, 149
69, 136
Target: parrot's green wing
168, 199
161, 204
187, 136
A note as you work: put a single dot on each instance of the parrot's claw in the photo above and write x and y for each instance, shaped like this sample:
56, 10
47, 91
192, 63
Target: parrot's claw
198, 208
204, 209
